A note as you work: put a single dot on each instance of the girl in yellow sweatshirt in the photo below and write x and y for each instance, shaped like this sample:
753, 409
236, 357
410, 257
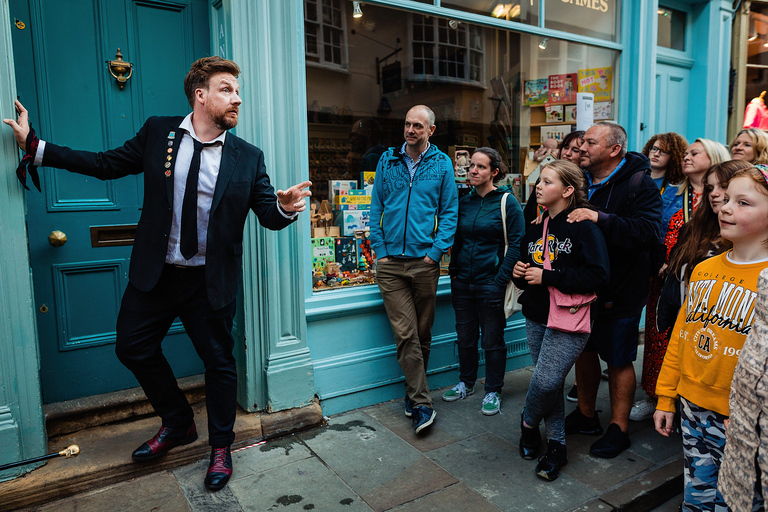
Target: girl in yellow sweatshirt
707, 338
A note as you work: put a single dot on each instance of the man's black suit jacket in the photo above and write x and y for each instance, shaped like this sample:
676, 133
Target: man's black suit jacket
242, 185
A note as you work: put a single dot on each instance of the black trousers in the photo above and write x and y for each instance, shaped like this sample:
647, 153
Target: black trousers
142, 324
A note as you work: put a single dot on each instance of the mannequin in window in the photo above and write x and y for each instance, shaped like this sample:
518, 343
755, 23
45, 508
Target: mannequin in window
756, 115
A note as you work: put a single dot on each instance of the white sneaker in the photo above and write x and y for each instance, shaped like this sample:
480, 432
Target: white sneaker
458, 392
643, 409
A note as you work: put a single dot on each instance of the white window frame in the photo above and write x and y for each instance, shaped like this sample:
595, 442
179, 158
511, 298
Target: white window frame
323, 42
474, 50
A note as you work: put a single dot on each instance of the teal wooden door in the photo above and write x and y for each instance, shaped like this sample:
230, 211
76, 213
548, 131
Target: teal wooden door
61, 50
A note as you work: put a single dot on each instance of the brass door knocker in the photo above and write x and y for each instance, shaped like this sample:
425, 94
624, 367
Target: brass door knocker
118, 68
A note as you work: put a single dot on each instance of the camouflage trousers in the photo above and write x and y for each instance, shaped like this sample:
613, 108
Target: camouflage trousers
703, 444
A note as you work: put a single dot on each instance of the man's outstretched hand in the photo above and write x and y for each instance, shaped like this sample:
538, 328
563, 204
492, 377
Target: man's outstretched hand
292, 200
20, 126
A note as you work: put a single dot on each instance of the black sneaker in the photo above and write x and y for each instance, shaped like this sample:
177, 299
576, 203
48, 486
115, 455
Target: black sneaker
550, 463
408, 407
573, 394
577, 423
530, 439
611, 444
423, 417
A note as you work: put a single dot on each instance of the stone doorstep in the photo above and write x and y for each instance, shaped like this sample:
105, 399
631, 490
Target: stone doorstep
105, 453
67, 417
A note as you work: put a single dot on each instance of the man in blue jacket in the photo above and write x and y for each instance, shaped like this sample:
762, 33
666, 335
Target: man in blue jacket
628, 212
414, 211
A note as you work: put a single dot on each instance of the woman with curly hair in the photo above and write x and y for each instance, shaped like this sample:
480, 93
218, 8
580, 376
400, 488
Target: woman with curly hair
698, 158
698, 240
750, 145
666, 151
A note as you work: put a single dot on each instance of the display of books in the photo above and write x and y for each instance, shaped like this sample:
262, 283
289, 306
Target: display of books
562, 88
535, 92
557, 132
554, 113
597, 81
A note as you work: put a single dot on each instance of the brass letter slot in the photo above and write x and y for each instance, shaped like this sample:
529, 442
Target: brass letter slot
111, 236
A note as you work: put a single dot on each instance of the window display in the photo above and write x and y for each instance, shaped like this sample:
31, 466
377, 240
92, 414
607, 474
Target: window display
486, 86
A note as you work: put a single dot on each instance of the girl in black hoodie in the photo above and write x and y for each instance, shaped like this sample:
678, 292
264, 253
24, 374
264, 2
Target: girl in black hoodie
579, 260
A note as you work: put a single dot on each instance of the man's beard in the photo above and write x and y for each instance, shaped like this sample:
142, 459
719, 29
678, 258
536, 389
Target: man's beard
221, 120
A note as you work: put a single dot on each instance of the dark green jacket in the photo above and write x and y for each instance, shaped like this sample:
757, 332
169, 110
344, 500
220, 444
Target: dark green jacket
477, 255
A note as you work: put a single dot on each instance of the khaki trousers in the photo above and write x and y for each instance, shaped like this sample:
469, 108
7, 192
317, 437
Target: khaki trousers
408, 288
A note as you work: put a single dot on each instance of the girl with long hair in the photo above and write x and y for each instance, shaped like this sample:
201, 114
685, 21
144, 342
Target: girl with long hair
665, 152
578, 261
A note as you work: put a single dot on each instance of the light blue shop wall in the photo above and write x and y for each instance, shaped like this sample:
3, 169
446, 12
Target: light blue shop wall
353, 350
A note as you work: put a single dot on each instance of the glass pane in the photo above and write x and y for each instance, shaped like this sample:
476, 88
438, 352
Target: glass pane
671, 25
310, 10
757, 39
522, 11
591, 18
486, 86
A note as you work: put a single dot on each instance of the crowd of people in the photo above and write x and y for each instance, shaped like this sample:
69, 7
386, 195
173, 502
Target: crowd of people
678, 229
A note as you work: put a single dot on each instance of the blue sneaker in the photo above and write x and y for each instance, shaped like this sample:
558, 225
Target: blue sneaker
423, 417
408, 407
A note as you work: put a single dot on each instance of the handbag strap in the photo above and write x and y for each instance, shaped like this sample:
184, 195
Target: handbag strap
545, 241
504, 221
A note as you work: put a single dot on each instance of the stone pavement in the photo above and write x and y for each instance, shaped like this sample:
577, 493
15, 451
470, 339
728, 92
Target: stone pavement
370, 459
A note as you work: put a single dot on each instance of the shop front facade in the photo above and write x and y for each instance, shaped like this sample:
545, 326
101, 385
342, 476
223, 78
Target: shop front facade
325, 86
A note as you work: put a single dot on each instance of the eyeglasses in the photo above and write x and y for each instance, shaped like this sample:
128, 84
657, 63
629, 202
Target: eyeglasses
657, 149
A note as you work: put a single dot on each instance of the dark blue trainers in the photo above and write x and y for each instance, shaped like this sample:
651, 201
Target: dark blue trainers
423, 417
408, 407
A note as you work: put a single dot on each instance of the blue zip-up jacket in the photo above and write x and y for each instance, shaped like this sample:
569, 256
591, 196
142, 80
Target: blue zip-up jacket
413, 218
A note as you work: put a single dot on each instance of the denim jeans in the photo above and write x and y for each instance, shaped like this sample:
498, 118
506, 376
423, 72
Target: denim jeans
480, 315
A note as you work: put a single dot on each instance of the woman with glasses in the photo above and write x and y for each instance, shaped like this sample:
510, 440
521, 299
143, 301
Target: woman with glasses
665, 151
699, 157
750, 145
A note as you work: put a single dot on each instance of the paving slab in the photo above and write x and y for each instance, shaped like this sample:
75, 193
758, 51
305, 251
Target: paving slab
307, 484
651, 489
374, 461
270, 455
492, 467
601, 474
651, 445
200, 499
448, 427
455, 497
159, 493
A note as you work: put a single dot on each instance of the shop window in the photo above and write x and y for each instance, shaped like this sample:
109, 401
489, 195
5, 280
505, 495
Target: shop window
446, 50
671, 28
487, 86
325, 37
591, 18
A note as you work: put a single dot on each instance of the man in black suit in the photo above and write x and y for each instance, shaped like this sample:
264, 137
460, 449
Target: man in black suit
187, 252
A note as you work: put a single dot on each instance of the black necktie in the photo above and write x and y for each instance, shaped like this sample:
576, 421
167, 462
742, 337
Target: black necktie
189, 206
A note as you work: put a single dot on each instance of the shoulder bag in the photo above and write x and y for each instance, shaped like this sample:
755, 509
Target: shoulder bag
568, 312
511, 303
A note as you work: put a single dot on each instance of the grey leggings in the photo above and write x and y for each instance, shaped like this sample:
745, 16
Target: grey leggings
553, 353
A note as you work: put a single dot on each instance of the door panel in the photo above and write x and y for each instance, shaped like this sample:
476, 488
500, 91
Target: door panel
74, 101
672, 90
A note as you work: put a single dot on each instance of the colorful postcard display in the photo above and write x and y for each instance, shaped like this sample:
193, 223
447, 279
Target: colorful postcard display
535, 92
603, 110
562, 88
346, 253
557, 132
554, 113
597, 81
323, 251
340, 187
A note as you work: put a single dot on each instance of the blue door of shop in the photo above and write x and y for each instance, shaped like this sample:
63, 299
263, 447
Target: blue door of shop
61, 55
672, 89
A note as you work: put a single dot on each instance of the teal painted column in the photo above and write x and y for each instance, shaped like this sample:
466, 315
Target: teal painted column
22, 427
267, 42
638, 70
